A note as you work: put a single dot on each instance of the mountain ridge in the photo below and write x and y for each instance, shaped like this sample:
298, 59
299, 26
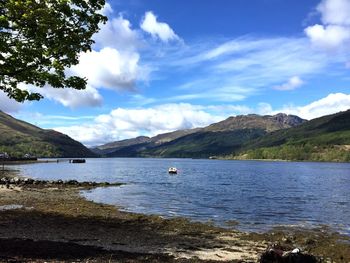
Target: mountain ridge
253, 121
187, 143
252, 136
326, 138
19, 138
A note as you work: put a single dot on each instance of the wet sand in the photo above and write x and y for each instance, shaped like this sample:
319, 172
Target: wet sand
55, 224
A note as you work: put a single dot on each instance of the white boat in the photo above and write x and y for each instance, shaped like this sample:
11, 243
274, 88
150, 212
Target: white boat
172, 170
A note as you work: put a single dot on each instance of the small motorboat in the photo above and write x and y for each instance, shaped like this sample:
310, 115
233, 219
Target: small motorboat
77, 161
172, 170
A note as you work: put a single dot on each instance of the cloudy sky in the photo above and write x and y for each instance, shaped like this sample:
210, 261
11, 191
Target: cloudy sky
159, 66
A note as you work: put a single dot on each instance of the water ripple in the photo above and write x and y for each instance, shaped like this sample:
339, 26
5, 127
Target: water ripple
257, 194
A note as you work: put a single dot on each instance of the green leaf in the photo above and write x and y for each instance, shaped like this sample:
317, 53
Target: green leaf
41, 38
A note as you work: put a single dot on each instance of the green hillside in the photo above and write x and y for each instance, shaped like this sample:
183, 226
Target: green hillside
133, 147
322, 139
18, 138
219, 138
204, 144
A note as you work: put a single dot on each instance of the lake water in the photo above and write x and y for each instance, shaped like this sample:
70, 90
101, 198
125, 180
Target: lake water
258, 195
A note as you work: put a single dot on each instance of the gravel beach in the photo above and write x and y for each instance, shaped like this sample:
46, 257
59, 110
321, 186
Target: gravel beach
51, 222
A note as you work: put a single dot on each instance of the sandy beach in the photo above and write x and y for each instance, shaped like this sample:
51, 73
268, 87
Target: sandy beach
53, 223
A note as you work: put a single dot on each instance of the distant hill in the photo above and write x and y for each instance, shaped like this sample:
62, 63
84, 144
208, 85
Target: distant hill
115, 146
204, 144
19, 138
322, 139
217, 139
267, 123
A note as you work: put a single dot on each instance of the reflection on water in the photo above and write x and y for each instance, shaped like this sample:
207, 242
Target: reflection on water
257, 194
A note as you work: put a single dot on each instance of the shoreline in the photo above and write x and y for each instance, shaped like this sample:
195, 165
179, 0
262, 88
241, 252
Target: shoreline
105, 227
220, 158
56, 215
280, 160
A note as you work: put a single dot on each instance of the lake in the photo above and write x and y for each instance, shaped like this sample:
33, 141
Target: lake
257, 194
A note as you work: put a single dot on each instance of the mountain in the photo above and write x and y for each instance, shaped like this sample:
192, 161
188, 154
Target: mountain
19, 138
170, 136
114, 146
322, 139
129, 147
217, 139
267, 123
204, 144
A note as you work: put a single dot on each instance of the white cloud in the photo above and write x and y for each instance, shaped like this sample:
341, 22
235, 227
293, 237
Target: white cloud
117, 33
8, 105
113, 64
334, 33
71, 98
126, 123
75, 98
328, 37
335, 12
107, 10
157, 29
264, 109
109, 68
293, 83
333, 103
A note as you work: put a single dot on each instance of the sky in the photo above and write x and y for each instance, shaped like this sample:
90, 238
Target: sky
159, 66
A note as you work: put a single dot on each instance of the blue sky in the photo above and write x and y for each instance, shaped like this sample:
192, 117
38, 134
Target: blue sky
159, 66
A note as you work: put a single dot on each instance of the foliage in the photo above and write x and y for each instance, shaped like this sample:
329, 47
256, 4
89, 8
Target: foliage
299, 153
39, 39
323, 139
196, 145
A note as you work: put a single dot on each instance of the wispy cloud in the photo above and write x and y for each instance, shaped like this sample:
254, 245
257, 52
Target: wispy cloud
151, 57
243, 67
48, 121
293, 83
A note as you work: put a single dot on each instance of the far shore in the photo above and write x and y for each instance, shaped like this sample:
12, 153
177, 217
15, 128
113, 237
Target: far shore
222, 158
54, 223
39, 160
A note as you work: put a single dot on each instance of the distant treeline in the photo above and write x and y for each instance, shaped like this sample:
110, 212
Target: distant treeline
298, 153
323, 139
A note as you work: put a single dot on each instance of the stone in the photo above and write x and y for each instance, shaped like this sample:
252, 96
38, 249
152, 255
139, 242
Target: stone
276, 255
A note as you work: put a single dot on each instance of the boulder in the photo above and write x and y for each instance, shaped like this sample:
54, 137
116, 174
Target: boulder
277, 255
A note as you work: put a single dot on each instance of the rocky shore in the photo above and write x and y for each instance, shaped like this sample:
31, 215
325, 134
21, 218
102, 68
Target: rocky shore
27, 182
48, 221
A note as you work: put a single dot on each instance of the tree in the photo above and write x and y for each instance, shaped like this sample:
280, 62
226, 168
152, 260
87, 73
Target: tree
39, 39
